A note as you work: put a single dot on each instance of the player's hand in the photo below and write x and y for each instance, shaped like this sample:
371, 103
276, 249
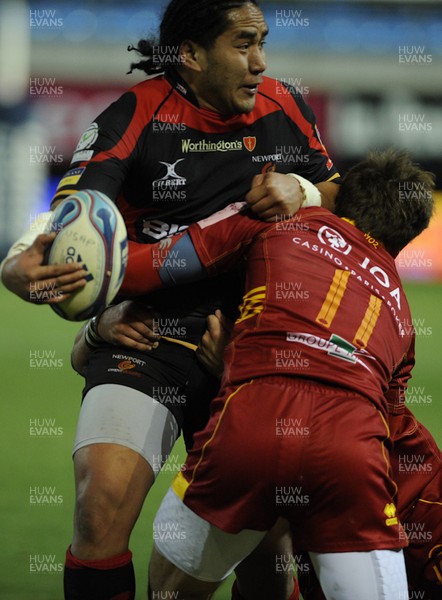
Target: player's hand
129, 324
274, 194
215, 339
26, 276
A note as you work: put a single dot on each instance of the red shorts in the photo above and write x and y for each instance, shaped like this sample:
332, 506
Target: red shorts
416, 463
316, 455
416, 466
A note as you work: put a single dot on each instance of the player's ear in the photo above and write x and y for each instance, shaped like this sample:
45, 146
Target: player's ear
192, 56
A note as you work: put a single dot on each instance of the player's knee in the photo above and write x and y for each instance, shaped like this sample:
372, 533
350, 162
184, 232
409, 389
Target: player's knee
100, 510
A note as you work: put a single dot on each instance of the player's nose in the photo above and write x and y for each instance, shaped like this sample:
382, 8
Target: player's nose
257, 63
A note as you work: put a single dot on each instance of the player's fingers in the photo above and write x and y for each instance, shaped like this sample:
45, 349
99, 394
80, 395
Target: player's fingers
53, 298
142, 333
70, 288
148, 322
270, 215
226, 323
201, 355
42, 241
206, 342
213, 326
257, 180
77, 278
121, 333
63, 284
51, 271
255, 195
136, 344
262, 205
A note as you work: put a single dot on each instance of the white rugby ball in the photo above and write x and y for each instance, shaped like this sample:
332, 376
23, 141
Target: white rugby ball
91, 231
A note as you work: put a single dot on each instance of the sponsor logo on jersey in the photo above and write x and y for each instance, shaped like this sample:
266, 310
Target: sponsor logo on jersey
127, 365
171, 180
250, 142
188, 145
72, 177
335, 346
130, 359
268, 158
82, 156
390, 511
330, 237
88, 138
158, 230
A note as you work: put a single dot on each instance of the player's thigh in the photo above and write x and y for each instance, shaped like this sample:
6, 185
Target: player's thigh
165, 577
113, 476
260, 574
123, 438
196, 546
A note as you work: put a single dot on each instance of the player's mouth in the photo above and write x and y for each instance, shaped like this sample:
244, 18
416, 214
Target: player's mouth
251, 88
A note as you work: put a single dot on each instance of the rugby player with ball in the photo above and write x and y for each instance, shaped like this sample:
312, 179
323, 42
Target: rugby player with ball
207, 70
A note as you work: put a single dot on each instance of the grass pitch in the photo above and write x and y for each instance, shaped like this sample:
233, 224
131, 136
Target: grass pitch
40, 402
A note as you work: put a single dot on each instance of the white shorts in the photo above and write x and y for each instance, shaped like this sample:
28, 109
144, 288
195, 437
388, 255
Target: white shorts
116, 414
197, 547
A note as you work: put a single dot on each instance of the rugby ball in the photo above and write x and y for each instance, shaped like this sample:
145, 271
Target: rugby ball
91, 231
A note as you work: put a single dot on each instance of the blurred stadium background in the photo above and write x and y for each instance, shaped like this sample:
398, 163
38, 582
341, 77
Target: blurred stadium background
372, 72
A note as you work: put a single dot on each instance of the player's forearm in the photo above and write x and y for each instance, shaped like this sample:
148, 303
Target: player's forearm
152, 267
208, 247
329, 191
87, 340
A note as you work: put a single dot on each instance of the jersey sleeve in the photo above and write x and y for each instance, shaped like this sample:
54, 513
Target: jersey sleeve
105, 151
209, 247
317, 165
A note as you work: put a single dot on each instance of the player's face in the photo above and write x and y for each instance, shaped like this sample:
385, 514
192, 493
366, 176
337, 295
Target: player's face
232, 67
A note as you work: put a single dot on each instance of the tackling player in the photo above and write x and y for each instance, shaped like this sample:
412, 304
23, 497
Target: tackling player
169, 152
351, 348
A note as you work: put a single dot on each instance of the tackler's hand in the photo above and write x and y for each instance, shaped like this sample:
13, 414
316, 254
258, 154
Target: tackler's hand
215, 339
274, 195
129, 324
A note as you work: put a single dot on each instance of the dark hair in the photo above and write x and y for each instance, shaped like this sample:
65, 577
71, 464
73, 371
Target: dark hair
201, 21
389, 197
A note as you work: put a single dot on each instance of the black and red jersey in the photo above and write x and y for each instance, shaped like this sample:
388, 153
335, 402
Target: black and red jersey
167, 162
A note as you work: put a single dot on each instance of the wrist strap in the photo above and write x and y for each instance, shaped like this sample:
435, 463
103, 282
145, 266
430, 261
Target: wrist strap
92, 338
311, 196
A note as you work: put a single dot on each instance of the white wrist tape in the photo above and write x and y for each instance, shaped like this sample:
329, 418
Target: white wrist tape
38, 226
311, 196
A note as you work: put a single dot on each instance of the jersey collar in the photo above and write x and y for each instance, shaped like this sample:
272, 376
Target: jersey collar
181, 86
367, 236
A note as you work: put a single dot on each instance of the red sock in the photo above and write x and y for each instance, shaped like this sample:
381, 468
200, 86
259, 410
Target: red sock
105, 579
295, 595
